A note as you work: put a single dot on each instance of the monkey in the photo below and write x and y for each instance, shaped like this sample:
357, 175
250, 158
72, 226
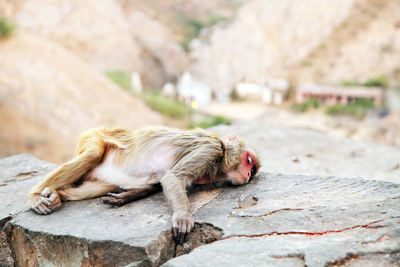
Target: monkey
140, 162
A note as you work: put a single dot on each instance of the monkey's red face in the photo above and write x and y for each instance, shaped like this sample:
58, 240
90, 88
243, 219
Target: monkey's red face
247, 168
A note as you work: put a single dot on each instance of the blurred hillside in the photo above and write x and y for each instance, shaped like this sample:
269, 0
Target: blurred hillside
48, 96
103, 35
321, 41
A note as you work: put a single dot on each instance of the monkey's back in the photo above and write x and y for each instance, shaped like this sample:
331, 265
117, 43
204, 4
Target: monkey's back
126, 138
154, 150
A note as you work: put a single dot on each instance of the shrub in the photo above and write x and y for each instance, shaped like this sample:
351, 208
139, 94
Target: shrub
357, 108
6, 28
192, 28
210, 121
307, 62
305, 106
233, 95
350, 83
380, 81
166, 106
120, 77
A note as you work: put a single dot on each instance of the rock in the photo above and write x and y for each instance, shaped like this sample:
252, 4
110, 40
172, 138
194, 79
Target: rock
277, 219
302, 221
17, 175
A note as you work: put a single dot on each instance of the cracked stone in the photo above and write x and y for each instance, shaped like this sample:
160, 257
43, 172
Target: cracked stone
302, 221
276, 220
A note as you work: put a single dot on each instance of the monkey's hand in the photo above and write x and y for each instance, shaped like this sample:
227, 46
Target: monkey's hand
182, 224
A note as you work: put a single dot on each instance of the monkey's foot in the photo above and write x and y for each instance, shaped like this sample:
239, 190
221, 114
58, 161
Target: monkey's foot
118, 199
48, 201
128, 194
182, 225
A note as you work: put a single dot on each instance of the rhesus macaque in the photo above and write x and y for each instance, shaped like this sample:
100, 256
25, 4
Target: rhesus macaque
138, 161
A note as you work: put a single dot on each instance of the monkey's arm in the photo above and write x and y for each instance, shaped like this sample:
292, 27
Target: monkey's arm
182, 218
190, 167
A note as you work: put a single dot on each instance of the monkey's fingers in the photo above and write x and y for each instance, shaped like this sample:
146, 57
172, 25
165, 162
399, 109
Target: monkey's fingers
181, 230
45, 201
46, 192
113, 201
41, 208
50, 199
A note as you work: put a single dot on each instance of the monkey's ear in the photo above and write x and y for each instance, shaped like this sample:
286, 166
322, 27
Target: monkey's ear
233, 138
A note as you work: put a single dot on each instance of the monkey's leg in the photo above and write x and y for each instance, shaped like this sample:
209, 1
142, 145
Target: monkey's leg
44, 198
88, 189
129, 195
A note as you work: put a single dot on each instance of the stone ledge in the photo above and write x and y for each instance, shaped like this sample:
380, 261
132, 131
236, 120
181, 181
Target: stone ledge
278, 220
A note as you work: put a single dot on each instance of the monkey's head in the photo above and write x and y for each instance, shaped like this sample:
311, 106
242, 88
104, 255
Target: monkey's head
242, 162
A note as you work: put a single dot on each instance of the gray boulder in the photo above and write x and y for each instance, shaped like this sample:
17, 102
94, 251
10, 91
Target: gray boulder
276, 220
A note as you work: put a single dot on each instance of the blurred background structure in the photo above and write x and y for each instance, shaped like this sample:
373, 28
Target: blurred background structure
67, 66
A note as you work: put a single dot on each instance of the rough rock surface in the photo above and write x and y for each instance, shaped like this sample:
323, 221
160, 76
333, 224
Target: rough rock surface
17, 174
276, 219
302, 221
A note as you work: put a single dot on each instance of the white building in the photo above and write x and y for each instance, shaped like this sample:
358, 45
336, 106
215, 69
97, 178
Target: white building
192, 92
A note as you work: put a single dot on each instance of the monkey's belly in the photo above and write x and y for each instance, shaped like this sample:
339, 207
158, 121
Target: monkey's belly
118, 176
127, 169
133, 176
